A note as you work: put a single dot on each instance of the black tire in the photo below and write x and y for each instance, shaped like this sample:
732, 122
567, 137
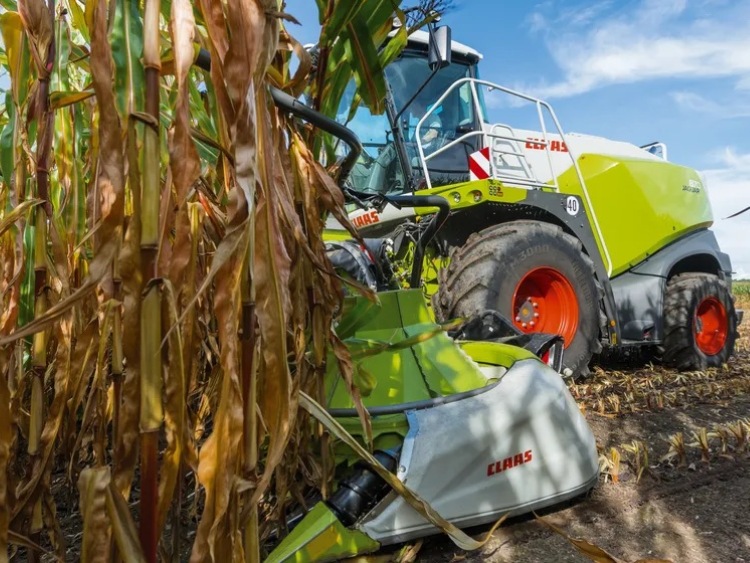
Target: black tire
685, 294
485, 272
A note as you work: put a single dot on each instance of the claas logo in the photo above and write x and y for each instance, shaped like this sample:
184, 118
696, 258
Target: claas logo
538, 144
508, 463
369, 218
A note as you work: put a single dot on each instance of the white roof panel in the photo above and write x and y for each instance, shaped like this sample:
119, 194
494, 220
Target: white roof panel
423, 37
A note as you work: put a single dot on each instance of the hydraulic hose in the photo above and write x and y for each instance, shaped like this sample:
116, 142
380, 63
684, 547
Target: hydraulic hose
444, 210
292, 105
286, 102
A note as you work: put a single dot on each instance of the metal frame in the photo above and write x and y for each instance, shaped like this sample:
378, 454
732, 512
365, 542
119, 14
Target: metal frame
659, 144
486, 136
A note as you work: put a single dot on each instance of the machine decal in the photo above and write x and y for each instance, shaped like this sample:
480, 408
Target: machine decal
509, 463
479, 164
538, 144
693, 186
572, 206
369, 218
496, 191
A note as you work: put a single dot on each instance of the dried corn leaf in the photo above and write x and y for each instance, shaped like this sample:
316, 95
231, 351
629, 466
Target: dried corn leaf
409, 553
69, 364
175, 412
183, 156
93, 486
219, 456
125, 534
37, 20
17, 213
23, 541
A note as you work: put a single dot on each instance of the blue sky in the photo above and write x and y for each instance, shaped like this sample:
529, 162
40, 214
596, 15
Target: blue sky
676, 71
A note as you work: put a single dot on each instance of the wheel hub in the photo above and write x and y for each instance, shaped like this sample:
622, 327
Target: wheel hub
527, 315
710, 325
545, 301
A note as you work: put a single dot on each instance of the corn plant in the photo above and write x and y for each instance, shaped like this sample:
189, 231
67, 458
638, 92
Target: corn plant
164, 291
609, 464
638, 452
740, 431
676, 449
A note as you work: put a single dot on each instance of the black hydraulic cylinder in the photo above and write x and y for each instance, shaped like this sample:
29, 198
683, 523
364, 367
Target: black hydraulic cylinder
361, 491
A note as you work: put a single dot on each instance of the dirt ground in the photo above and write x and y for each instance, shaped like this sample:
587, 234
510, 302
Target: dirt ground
690, 508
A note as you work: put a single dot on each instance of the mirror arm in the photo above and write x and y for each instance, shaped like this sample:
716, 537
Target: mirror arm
433, 47
417, 93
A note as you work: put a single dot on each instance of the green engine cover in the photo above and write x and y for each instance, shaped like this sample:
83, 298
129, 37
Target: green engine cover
641, 205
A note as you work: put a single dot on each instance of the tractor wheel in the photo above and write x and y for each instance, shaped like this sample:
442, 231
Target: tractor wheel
700, 322
536, 275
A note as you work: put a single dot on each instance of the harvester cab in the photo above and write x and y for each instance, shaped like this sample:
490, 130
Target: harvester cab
603, 242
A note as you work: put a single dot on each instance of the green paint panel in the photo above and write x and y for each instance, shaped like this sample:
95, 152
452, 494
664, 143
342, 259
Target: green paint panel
336, 234
431, 368
425, 370
469, 194
495, 353
321, 537
641, 205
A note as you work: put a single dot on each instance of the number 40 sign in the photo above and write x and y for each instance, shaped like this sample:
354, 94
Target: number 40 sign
572, 205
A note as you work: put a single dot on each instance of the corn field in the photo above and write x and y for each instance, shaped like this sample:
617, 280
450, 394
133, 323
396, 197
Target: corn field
165, 294
741, 289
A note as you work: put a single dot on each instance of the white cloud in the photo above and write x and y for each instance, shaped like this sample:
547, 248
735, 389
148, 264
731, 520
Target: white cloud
539, 20
496, 99
656, 39
692, 102
729, 191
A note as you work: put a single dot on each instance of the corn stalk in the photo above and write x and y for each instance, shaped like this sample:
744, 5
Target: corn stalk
39, 23
151, 359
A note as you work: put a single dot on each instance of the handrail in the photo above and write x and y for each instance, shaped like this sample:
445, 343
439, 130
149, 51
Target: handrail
474, 82
465, 136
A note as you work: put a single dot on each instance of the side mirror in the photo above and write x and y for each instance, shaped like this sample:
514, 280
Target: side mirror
439, 53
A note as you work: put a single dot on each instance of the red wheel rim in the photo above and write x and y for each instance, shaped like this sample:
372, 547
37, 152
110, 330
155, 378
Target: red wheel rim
710, 326
545, 301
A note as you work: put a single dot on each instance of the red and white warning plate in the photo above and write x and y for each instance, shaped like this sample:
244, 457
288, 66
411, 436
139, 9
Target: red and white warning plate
479, 165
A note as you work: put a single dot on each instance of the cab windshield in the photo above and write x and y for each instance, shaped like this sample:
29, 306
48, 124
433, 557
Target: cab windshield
379, 168
454, 117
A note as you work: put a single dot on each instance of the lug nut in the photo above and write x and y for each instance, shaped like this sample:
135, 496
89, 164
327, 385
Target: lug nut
524, 325
518, 319
536, 315
535, 304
